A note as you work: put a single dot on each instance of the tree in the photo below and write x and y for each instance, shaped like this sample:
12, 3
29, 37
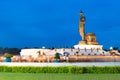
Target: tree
12, 50
1, 50
57, 56
115, 48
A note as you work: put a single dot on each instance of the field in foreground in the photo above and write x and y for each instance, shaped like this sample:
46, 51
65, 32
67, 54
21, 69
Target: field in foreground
59, 76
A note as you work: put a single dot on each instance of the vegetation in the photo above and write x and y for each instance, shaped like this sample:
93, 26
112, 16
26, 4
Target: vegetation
59, 76
115, 48
14, 51
57, 56
7, 55
67, 69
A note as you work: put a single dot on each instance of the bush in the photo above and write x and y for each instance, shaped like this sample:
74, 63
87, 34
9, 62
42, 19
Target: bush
66, 69
57, 56
75, 69
7, 55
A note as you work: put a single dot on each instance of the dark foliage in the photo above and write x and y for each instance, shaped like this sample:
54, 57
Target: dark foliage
57, 56
15, 51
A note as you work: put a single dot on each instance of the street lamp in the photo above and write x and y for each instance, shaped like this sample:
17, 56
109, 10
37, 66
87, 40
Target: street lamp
43, 50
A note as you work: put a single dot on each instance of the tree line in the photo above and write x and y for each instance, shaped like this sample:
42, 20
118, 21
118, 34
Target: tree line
14, 51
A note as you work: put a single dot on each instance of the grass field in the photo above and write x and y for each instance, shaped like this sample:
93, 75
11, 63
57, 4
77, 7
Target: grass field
59, 76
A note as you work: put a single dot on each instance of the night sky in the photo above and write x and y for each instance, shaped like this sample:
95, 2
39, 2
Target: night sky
54, 23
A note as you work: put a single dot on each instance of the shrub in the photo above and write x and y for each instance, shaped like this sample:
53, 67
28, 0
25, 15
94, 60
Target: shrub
65, 69
57, 56
7, 55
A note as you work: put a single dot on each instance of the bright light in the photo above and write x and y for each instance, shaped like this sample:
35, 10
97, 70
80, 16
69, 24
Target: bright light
43, 47
111, 48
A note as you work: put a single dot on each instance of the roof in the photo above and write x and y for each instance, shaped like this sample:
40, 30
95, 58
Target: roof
90, 34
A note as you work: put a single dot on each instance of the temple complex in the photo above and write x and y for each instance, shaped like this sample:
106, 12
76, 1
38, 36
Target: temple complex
88, 46
86, 50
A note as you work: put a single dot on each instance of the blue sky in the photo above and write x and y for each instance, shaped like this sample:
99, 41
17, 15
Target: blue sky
37, 23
